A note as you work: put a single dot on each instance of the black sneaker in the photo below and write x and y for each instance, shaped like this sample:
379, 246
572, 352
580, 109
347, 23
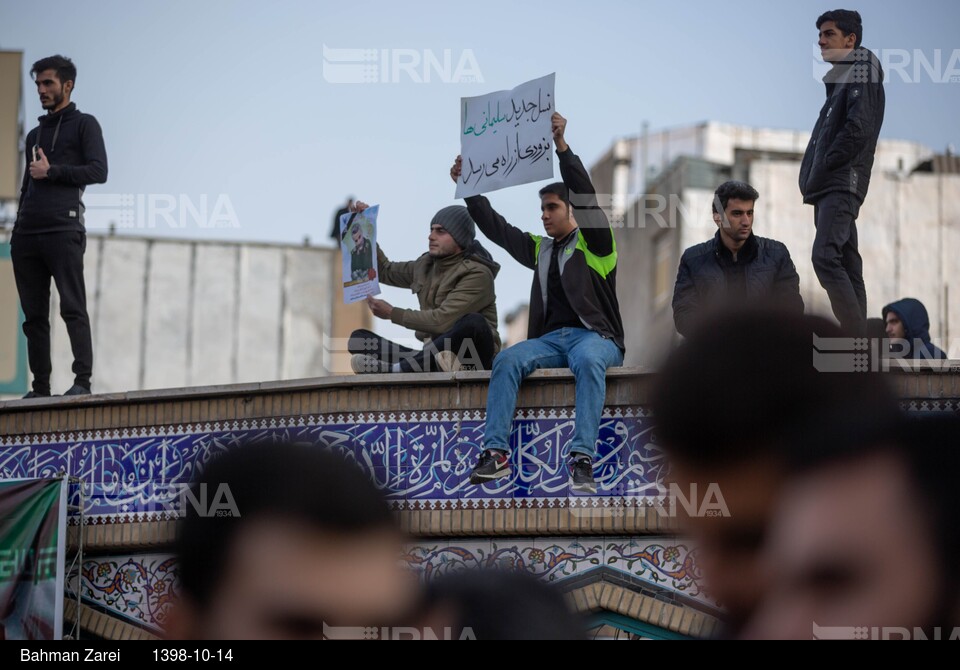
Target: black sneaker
77, 389
34, 394
581, 475
493, 464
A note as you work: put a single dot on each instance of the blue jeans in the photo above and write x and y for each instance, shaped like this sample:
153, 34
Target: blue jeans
585, 352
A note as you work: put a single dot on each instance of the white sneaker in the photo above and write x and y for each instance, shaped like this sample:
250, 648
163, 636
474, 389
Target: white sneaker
365, 364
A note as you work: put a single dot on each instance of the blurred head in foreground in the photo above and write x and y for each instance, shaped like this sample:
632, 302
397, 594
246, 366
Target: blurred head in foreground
308, 542
732, 406
869, 538
499, 605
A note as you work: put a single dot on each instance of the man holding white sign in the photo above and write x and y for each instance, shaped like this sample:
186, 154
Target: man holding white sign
574, 313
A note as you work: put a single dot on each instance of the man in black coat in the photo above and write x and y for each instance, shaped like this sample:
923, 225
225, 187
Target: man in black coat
735, 267
65, 154
835, 172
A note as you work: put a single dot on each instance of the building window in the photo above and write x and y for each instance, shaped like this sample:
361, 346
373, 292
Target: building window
663, 271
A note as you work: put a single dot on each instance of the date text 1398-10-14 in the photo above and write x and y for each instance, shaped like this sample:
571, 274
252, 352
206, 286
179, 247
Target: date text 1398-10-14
161, 655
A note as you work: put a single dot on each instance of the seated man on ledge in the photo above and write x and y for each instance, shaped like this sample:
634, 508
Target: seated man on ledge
574, 314
457, 319
734, 268
908, 331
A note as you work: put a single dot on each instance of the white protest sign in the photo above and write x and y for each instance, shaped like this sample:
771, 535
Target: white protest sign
506, 137
358, 242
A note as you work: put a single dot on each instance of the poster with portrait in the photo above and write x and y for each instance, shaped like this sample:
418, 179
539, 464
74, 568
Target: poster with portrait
358, 242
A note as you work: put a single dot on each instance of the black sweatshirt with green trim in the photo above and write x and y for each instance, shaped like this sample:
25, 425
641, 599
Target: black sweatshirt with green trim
588, 267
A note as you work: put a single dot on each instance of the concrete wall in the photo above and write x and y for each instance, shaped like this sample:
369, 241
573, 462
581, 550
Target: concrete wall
641, 243
172, 313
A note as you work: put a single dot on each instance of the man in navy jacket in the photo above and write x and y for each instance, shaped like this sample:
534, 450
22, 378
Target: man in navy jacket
65, 153
735, 267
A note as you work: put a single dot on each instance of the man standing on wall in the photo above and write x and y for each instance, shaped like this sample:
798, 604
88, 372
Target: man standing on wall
835, 172
335, 230
65, 153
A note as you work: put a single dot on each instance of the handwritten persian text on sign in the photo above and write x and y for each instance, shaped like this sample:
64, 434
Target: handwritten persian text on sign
506, 137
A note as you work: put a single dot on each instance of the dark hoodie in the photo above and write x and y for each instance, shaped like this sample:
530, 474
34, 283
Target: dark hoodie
447, 288
916, 326
840, 154
73, 144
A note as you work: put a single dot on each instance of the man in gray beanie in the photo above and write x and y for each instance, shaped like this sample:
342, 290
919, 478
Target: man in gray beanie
457, 319
456, 220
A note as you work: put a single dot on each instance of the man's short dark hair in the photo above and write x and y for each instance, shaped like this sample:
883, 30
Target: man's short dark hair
737, 190
559, 189
847, 21
64, 67
306, 484
504, 605
746, 385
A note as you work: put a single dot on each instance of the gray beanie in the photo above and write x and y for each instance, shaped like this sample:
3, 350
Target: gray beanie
456, 220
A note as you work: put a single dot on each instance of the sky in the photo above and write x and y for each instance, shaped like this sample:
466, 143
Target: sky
234, 101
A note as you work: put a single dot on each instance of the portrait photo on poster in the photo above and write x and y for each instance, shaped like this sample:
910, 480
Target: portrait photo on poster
358, 242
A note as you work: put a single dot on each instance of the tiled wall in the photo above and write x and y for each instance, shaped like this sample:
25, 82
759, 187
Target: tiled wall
421, 461
139, 588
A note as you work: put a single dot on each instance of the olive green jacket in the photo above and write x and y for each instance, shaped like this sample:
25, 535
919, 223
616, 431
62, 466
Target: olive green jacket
447, 288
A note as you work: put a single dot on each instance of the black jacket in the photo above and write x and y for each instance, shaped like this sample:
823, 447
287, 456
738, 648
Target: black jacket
916, 327
839, 156
702, 282
73, 144
588, 266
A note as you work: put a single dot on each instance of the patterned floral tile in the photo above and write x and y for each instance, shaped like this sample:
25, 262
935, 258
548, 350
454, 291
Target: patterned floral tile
664, 562
140, 587
434, 559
